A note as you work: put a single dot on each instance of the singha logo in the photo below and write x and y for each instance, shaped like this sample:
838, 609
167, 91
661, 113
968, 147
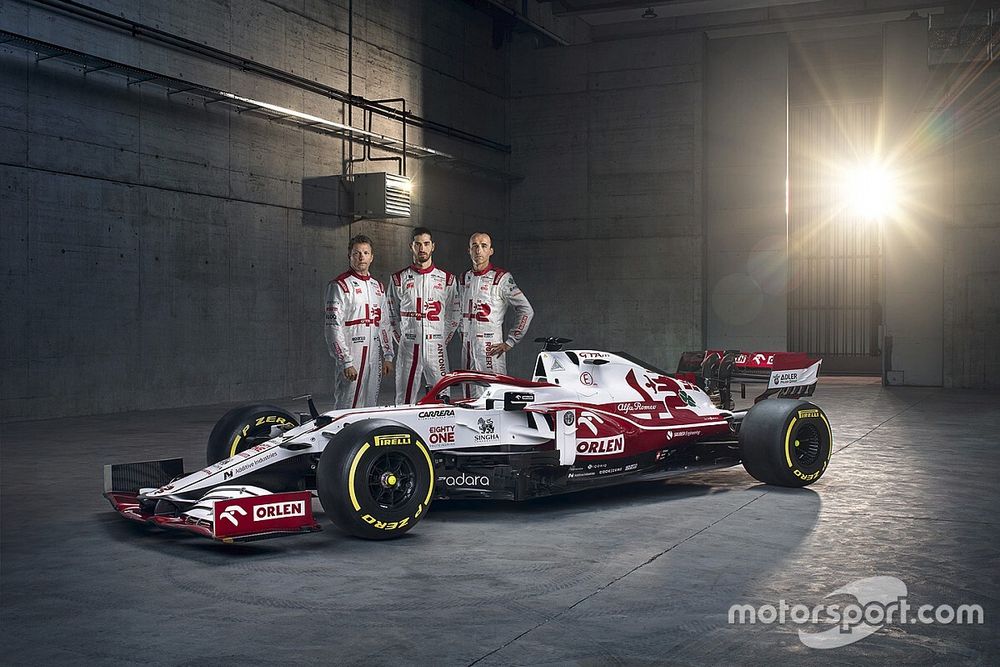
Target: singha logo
485, 425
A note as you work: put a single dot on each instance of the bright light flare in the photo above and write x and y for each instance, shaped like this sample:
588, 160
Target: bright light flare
871, 191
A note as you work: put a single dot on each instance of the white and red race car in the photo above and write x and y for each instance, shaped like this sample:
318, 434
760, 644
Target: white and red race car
586, 418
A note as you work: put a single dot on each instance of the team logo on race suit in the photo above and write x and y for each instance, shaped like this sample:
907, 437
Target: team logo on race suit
601, 446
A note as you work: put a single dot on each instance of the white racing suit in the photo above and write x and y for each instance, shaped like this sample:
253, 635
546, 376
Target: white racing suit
485, 296
357, 334
424, 312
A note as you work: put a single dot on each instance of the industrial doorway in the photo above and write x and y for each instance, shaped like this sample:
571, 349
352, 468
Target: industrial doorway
835, 255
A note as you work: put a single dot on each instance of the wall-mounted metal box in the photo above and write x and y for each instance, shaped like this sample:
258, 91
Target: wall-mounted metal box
381, 195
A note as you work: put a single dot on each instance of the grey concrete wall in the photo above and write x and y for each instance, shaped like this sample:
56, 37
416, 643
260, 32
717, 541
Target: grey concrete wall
914, 234
605, 228
972, 235
746, 161
157, 252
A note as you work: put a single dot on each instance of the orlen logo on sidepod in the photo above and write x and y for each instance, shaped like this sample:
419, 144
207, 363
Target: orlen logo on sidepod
601, 446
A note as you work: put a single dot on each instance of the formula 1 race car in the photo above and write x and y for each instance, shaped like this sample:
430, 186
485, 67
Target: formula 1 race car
585, 419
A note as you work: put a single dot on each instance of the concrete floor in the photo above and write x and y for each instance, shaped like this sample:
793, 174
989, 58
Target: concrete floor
632, 575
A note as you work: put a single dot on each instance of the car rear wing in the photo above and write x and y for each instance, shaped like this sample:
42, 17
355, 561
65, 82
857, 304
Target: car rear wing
786, 374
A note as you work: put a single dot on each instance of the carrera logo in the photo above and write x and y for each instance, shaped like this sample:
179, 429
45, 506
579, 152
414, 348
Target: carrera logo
465, 480
806, 414
393, 440
601, 446
435, 414
279, 510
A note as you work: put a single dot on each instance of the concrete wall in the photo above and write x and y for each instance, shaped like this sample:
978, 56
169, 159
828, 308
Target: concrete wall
914, 235
971, 243
746, 162
605, 228
157, 252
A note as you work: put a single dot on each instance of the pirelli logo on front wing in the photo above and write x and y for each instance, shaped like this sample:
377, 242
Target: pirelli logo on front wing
393, 440
806, 414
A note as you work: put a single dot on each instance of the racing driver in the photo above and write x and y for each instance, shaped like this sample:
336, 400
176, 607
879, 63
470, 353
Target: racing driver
357, 331
424, 312
486, 291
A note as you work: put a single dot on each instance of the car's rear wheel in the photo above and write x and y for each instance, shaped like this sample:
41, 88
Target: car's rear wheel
244, 427
375, 479
785, 442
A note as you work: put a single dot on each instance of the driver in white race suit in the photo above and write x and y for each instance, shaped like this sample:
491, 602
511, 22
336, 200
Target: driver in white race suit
485, 292
424, 311
357, 330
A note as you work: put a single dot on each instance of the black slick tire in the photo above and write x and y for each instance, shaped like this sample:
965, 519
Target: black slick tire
243, 427
375, 479
785, 442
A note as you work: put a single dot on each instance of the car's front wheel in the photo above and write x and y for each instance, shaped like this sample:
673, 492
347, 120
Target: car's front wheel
785, 442
375, 479
244, 427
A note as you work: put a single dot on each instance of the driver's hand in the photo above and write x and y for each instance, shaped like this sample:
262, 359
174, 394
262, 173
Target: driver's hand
351, 373
497, 350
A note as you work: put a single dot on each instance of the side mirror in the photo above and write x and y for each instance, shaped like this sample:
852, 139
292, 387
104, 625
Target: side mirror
517, 400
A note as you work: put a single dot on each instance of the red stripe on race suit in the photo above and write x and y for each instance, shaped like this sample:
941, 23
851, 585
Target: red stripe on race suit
361, 375
413, 370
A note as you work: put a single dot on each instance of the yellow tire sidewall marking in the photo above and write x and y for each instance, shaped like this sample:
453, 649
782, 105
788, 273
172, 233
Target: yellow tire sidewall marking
350, 480
430, 469
236, 442
788, 438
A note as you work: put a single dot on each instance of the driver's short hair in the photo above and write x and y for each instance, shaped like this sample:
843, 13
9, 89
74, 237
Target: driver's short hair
357, 240
417, 231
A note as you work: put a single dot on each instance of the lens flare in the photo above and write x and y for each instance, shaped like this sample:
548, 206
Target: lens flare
870, 191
